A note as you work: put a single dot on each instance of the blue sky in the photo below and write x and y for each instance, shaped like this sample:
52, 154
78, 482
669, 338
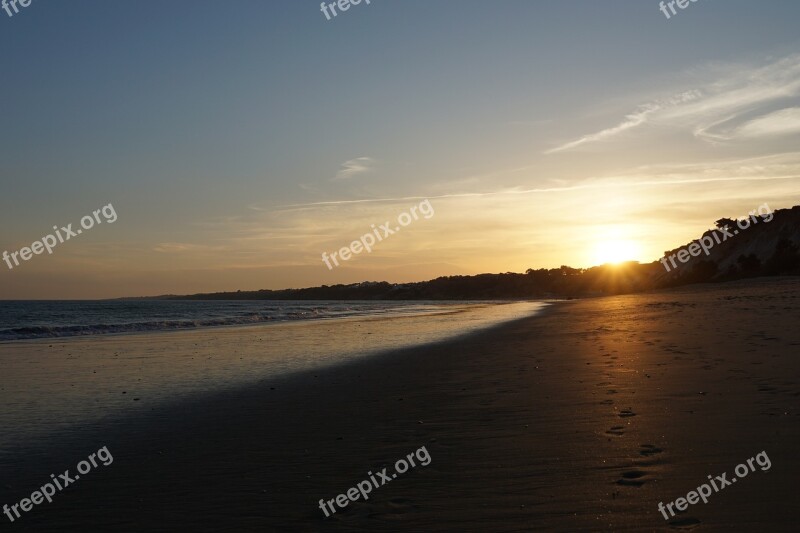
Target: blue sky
537, 128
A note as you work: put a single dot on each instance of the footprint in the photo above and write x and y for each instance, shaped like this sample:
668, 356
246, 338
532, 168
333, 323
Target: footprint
632, 478
648, 450
616, 430
625, 413
400, 506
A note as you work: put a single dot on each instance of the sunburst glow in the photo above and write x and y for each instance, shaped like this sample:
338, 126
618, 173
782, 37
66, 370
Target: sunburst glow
615, 251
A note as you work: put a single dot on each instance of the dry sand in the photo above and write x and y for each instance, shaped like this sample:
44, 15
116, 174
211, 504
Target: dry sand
582, 419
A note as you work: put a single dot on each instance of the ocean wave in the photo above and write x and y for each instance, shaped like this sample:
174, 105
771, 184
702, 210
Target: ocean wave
53, 319
42, 332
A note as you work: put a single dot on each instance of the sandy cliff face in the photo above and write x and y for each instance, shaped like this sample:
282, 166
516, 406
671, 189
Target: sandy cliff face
768, 245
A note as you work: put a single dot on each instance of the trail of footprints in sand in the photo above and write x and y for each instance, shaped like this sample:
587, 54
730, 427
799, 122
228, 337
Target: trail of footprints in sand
637, 477
649, 455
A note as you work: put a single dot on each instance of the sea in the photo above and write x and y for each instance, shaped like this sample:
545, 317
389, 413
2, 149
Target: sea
67, 365
39, 319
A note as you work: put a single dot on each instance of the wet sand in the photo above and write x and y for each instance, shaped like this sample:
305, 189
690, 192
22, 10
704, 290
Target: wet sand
581, 419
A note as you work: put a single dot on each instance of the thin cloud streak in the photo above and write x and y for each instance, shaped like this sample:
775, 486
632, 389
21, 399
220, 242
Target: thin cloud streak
785, 121
715, 112
353, 167
292, 207
633, 120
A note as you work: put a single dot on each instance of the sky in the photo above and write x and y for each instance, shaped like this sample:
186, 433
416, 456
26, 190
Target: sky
237, 142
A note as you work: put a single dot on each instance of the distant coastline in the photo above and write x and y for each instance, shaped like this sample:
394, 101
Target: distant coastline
760, 251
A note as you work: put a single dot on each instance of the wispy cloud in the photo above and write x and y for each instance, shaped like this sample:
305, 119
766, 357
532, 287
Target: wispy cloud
744, 102
353, 167
599, 184
631, 121
783, 122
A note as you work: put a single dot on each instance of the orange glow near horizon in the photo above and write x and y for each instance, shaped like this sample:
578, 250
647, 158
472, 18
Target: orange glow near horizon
616, 252
614, 245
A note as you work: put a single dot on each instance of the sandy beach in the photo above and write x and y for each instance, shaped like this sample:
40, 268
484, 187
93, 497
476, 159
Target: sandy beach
581, 419
409, 267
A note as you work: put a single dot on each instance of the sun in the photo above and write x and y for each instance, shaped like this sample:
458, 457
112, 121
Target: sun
615, 251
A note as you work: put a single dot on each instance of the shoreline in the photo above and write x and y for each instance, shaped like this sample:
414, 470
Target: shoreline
466, 306
52, 384
584, 417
